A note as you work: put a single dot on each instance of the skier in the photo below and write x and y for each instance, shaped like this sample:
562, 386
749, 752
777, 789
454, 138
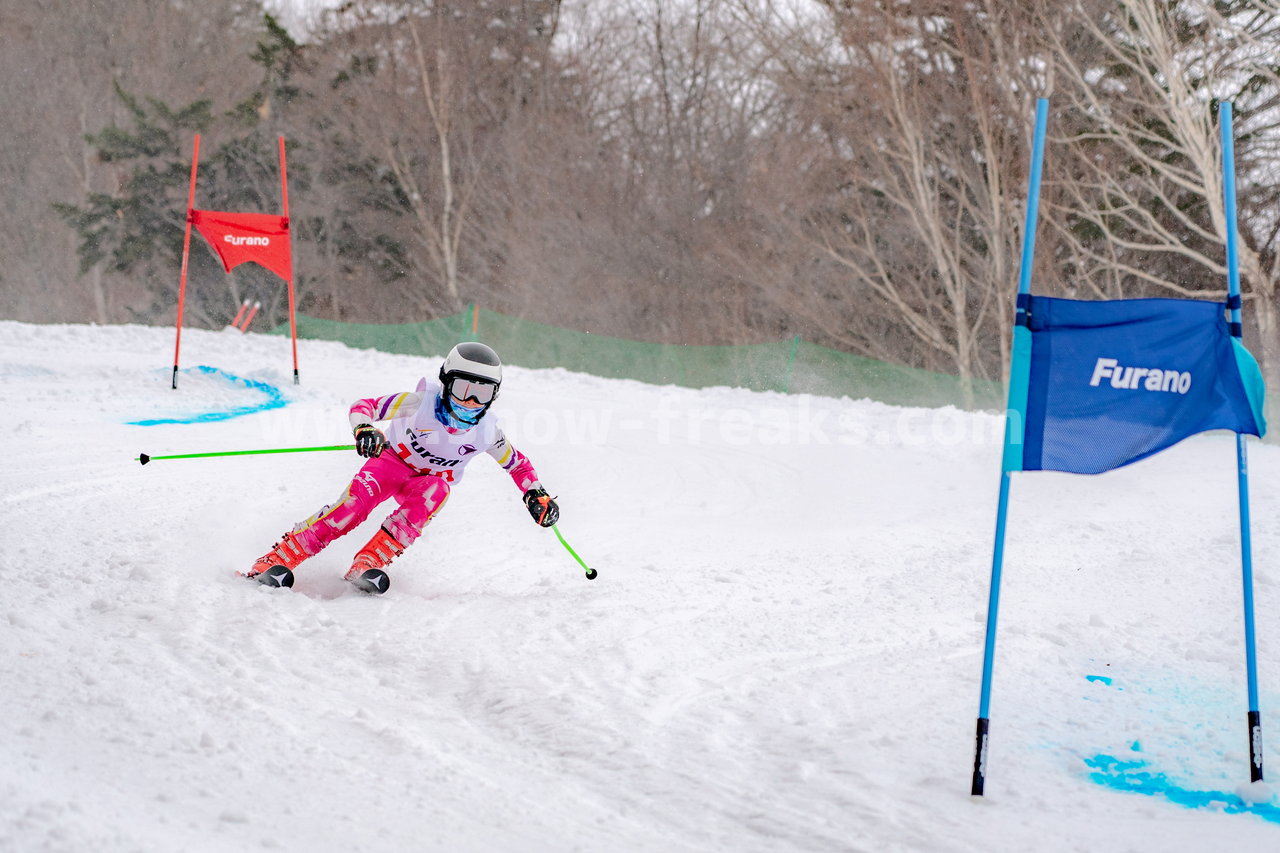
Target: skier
433, 433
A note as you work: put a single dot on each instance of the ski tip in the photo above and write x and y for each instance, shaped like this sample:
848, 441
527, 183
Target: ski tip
276, 576
372, 581
144, 458
591, 574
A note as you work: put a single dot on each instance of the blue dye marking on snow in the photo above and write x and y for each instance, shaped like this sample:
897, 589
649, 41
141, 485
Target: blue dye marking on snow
1099, 678
274, 400
1131, 777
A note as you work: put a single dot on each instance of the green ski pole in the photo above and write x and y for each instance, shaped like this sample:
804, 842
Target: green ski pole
591, 573
144, 458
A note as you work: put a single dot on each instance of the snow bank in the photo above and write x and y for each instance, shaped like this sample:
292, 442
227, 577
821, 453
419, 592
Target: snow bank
782, 651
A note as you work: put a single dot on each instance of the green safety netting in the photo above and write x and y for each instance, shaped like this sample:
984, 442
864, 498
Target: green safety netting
793, 366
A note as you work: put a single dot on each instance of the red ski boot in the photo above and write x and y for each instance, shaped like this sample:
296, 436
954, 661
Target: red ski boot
366, 570
275, 568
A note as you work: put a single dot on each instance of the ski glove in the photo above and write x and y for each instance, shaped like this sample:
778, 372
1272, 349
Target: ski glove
542, 507
370, 441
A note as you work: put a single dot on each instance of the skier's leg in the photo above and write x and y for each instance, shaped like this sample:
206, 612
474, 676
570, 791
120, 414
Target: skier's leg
377, 479
420, 499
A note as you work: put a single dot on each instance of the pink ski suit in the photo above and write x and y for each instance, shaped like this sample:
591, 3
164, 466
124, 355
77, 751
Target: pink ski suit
422, 462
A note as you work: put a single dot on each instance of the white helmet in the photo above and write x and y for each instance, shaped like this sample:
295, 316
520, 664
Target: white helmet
471, 376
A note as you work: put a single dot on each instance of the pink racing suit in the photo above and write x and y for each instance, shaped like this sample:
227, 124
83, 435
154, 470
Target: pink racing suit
423, 461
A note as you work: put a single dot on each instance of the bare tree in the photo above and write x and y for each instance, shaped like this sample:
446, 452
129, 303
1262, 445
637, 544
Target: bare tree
916, 117
427, 89
704, 171
675, 111
1140, 207
60, 62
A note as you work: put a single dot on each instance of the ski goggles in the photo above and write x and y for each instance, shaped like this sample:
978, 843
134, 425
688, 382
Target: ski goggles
466, 391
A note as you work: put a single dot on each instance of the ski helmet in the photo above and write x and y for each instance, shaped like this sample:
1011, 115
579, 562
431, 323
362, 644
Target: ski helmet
471, 376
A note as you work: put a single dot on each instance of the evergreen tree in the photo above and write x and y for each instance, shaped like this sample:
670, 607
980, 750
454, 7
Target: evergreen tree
138, 230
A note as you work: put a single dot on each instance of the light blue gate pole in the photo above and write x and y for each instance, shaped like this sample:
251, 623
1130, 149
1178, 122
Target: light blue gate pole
1242, 460
1015, 423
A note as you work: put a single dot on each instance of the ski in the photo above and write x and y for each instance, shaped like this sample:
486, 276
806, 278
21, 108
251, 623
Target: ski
276, 576
372, 581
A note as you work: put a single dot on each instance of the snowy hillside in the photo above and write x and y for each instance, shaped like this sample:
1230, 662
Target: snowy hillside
782, 651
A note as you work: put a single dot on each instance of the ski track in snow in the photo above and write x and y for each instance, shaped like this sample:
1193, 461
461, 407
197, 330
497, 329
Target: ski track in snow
782, 651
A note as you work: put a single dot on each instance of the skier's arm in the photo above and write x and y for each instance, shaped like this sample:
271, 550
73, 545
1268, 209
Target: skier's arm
382, 408
541, 505
370, 441
514, 463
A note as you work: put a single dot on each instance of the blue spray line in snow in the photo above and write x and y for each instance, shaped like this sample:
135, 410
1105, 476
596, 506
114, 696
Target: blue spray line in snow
1132, 775
1135, 777
274, 400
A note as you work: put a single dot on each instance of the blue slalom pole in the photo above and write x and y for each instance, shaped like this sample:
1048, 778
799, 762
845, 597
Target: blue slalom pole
1242, 461
1015, 423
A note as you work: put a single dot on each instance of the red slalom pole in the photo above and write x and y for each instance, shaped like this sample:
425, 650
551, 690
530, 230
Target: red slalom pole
247, 320
186, 251
235, 324
293, 317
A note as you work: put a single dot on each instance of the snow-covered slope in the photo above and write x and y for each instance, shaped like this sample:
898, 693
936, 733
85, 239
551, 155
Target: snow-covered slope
782, 651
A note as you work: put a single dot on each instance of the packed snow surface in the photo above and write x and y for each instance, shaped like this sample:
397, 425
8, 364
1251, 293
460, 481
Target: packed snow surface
782, 652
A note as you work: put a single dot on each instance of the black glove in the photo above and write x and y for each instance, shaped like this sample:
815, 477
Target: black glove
542, 507
370, 441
